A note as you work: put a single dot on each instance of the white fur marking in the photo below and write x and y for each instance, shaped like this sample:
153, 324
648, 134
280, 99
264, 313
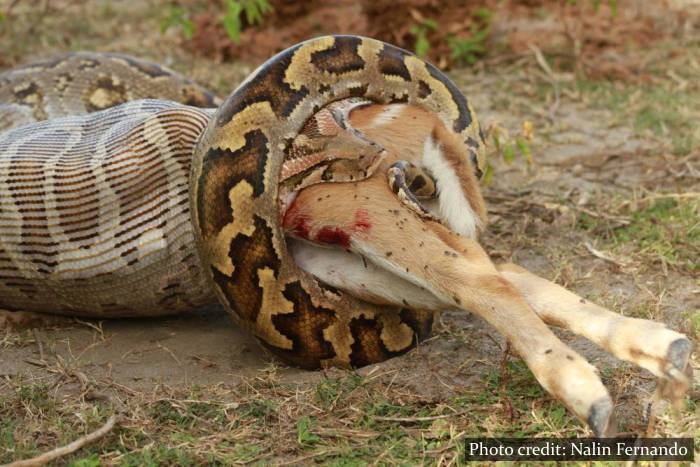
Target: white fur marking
389, 114
363, 279
454, 205
398, 271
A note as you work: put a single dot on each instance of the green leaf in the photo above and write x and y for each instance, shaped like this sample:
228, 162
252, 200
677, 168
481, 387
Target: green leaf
466, 50
254, 10
251, 13
304, 435
524, 149
92, 461
480, 36
431, 23
263, 6
233, 7
187, 28
496, 139
695, 319
488, 175
177, 17
422, 46
508, 153
232, 25
232, 20
174, 17
482, 13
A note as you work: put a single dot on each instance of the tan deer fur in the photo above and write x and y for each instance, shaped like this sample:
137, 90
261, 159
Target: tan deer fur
404, 259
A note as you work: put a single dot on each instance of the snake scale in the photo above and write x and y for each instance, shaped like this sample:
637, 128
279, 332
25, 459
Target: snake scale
155, 206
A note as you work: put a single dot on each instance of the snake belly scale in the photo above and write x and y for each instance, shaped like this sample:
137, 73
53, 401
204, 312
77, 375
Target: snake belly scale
234, 204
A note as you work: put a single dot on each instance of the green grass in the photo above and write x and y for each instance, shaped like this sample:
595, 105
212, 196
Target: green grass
347, 419
657, 111
304, 436
160, 455
665, 227
35, 395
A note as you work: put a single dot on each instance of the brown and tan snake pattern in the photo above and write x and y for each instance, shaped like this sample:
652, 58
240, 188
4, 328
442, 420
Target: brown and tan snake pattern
156, 207
95, 217
84, 82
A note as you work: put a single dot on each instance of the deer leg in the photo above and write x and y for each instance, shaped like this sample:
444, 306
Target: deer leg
645, 343
367, 219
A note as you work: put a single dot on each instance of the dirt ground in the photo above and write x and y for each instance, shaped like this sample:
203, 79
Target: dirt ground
608, 206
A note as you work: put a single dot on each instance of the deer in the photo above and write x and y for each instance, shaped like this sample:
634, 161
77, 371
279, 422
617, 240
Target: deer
429, 258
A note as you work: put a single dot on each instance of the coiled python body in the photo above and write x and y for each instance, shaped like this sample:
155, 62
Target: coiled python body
84, 82
96, 218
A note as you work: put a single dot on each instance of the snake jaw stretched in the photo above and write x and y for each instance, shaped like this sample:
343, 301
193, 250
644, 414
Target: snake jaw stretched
248, 141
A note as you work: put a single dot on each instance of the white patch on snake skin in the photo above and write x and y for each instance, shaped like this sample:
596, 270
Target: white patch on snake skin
453, 204
389, 114
152, 241
364, 279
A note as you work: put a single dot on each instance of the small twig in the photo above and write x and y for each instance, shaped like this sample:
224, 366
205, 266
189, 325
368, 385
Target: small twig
446, 447
493, 339
511, 202
506, 400
232, 405
601, 215
603, 256
37, 338
9, 8
205, 361
120, 387
551, 78
689, 194
35, 362
682, 83
97, 327
69, 448
420, 419
626, 434
303, 459
172, 354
